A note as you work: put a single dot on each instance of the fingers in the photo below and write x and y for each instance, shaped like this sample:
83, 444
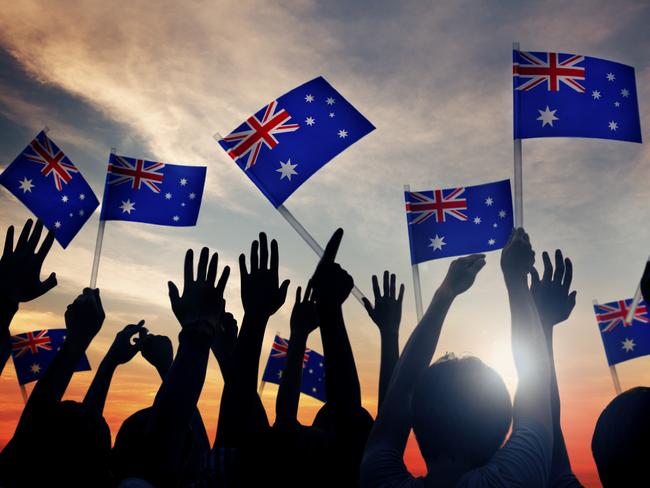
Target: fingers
332, 248
32, 241
201, 271
548, 267
375, 287
47, 285
534, 277
264, 251
9, 241
254, 260
559, 267
309, 292
189, 265
24, 234
212, 269
132, 329
174, 297
568, 274
221, 286
242, 265
386, 286
401, 293
393, 279
572, 300
477, 265
46, 246
298, 290
274, 265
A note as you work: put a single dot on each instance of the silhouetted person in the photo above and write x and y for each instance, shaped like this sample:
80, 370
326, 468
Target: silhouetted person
386, 313
71, 441
460, 409
20, 277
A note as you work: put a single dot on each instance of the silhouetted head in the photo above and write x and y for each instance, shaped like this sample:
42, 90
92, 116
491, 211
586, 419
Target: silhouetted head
621, 441
461, 410
130, 446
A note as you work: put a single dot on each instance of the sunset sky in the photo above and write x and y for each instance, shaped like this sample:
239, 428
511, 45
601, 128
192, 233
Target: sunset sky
158, 79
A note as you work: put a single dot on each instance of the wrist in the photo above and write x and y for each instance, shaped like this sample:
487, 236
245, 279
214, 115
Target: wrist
197, 331
299, 336
389, 334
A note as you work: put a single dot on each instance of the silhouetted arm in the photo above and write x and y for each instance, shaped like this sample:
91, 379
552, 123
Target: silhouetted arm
645, 283
242, 412
224, 343
120, 352
390, 432
20, 270
387, 314
198, 311
554, 303
303, 322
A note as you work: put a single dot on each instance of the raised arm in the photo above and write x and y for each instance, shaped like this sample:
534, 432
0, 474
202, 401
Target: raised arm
386, 314
392, 426
120, 352
554, 302
303, 323
529, 347
645, 283
20, 277
224, 343
242, 412
198, 311
332, 286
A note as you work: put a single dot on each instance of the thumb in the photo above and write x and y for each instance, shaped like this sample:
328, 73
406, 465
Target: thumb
174, 297
48, 284
283, 290
572, 300
534, 277
366, 303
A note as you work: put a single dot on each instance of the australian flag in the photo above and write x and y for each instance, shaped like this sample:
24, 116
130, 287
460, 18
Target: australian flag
569, 95
33, 352
313, 369
151, 192
50, 185
292, 137
458, 221
623, 340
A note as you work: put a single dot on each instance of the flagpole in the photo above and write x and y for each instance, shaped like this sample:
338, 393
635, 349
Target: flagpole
612, 370
311, 242
519, 193
417, 288
635, 302
98, 245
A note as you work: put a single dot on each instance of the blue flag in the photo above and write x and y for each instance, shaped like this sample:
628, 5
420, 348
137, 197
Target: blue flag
292, 137
623, 340
458, 221
51, 186
152, 192
33, 352
568, 95
313, 369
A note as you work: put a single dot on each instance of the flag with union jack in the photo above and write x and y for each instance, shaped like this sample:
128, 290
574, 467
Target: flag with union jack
32, 353
152, 192
313, 369
44, 179
458, 221
288, 140
623, 340
569, 95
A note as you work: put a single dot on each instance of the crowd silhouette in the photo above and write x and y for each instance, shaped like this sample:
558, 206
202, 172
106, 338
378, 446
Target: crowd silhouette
468, 430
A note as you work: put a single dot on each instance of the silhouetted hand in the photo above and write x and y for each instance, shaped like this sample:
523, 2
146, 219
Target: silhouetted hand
20, 268
462, 273
552, 298
122, 350
517, 257
261, 293
645, 283
156, 349
303, 315
332, 284
84, 317
226, 336
387, 311
202, 301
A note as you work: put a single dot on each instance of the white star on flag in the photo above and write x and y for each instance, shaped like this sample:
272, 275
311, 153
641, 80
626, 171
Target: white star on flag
127, 206
82, 196
192, 196
625, 93
57, 224
489, 201
437, 243
595, 94
26, 185
613, 125
491, 242
547, 116
175, 218
310, 121
617, 104
477, 220
183, 181
287, 170
502, 213
309, 98
610, 77
168, 196
330, 101
35, 368
64, 198
628, 345
343, 134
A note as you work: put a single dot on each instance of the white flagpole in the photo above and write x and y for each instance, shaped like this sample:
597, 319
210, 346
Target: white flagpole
519, 193
311, 242
612, 370
98, 246
417, 288
635, 302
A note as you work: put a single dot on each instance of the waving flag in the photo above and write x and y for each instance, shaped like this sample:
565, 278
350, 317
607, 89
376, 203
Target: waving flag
33, 352
292, 137
313, 369
568, 95
623, 340
152, 192
458, 221
50, 185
